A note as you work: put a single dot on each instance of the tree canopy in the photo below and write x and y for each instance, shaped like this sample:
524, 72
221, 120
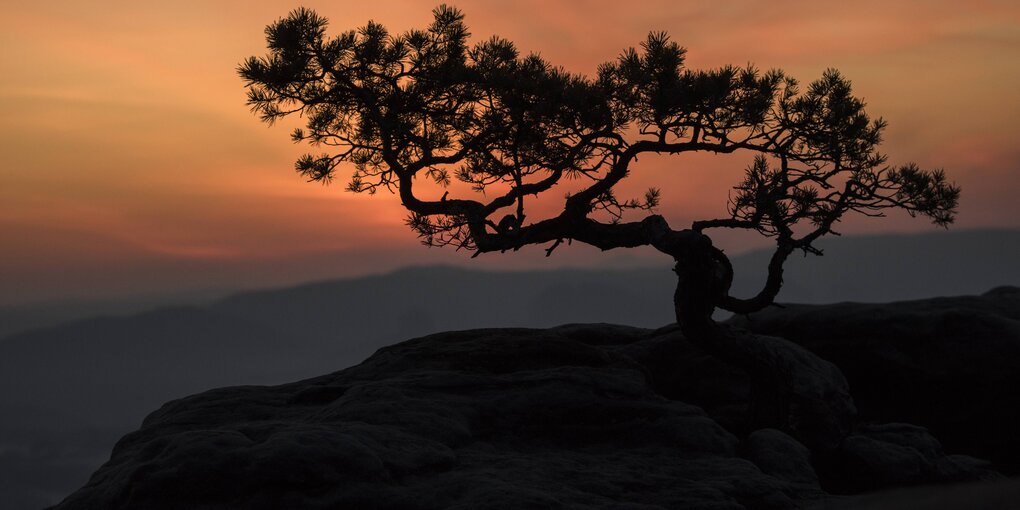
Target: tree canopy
429, 107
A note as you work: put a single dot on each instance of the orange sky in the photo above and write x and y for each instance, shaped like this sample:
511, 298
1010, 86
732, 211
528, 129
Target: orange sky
129, 162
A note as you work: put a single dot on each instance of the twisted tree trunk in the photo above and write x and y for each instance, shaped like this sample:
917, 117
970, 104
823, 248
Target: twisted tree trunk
792, 389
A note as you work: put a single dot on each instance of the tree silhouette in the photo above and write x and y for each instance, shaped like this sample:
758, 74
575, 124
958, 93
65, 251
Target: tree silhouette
497, 132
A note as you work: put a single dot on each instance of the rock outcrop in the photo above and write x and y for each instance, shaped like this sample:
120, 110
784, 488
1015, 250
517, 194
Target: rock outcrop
592, 416
477, 419
951, 365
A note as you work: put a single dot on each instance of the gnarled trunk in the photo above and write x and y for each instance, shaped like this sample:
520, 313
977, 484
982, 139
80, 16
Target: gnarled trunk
792, 389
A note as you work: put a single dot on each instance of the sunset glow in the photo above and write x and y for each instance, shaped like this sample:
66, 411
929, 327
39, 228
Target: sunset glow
131, 164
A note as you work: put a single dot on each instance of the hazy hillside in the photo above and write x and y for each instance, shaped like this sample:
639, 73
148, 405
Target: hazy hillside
417, 301
871, 268
26, 317
891, 268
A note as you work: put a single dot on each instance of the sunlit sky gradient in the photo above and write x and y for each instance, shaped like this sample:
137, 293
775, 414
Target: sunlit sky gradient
130, 164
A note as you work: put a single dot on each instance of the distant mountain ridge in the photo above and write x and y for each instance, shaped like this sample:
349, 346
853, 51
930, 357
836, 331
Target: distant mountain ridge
875, 268
885, 268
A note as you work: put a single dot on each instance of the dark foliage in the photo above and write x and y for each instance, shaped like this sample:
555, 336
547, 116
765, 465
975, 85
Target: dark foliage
428, 108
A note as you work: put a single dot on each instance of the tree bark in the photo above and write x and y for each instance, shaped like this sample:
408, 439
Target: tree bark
792, 389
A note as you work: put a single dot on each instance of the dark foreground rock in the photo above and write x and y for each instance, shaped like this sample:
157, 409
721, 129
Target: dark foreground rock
570, 417
951, 365
478, 419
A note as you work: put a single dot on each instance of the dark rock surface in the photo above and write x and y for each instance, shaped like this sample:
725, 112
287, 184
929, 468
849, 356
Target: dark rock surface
570, 417
477, 419
951, 365
778, 454
813, 388
897, 454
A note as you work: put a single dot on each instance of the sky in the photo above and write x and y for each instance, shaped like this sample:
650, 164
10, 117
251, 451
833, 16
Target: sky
130, 164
